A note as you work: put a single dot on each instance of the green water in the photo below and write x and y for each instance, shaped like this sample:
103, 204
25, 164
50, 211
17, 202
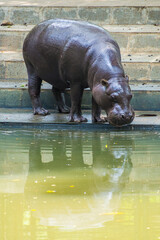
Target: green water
68, 185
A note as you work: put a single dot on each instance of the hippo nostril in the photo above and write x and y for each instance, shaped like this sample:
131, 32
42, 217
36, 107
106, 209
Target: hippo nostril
131, 116
127, 117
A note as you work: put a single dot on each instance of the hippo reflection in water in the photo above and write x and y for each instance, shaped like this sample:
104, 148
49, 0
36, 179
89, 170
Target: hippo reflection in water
78, 55
87, 180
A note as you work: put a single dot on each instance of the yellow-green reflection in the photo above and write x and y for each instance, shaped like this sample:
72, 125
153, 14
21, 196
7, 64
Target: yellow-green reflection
79, 185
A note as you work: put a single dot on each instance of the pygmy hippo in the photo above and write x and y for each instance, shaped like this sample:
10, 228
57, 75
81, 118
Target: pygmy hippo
78, 55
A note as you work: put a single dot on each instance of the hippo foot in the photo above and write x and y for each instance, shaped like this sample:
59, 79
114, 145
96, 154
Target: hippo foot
77, 119
64, 109
41, 111
99, 119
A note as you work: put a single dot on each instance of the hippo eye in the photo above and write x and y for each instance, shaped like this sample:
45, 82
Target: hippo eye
114, 99
130, 96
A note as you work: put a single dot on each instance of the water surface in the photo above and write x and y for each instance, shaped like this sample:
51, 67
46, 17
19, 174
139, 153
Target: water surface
69, 185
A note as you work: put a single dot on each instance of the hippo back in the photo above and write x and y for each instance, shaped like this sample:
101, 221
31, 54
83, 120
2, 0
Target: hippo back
59, 48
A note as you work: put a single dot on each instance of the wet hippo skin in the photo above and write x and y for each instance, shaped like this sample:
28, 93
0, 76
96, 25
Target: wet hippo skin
78, 55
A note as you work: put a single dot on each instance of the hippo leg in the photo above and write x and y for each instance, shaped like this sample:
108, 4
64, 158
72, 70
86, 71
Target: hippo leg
76, 99
96, 113
34, 87
59, 96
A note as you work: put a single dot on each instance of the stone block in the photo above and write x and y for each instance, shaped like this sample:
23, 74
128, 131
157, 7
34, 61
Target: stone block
65, 13
10, 41
137, 71
128, 15
47, 99
2, 71
145, 101
145, 42
153, 16
25, 15
2, 14
121, 39
16, 71
155, 72
87, 100
10, 98
95, 14
25, 100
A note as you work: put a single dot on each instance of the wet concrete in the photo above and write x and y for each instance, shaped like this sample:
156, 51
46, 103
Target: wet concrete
25, 117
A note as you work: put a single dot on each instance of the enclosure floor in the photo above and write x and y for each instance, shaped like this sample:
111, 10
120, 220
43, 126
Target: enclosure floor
26, 116
72, 3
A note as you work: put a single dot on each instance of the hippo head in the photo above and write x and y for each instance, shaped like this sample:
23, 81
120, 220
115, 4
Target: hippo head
114, 96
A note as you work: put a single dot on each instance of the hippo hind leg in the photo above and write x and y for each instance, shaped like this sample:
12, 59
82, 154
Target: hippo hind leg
59, 96
34, 88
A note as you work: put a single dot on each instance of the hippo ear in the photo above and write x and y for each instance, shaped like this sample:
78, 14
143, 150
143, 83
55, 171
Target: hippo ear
127, 78
104, 82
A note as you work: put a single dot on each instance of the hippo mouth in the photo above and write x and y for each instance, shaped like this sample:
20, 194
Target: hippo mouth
120, 121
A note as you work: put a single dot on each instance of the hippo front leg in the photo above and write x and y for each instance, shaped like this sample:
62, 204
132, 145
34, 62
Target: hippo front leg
96, 113
76, 99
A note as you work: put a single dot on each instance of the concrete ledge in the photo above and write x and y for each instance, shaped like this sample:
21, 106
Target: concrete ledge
75, 3
110, 28
15, 118
13, 56
127, 15
134, 38
138, 66
145, 97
